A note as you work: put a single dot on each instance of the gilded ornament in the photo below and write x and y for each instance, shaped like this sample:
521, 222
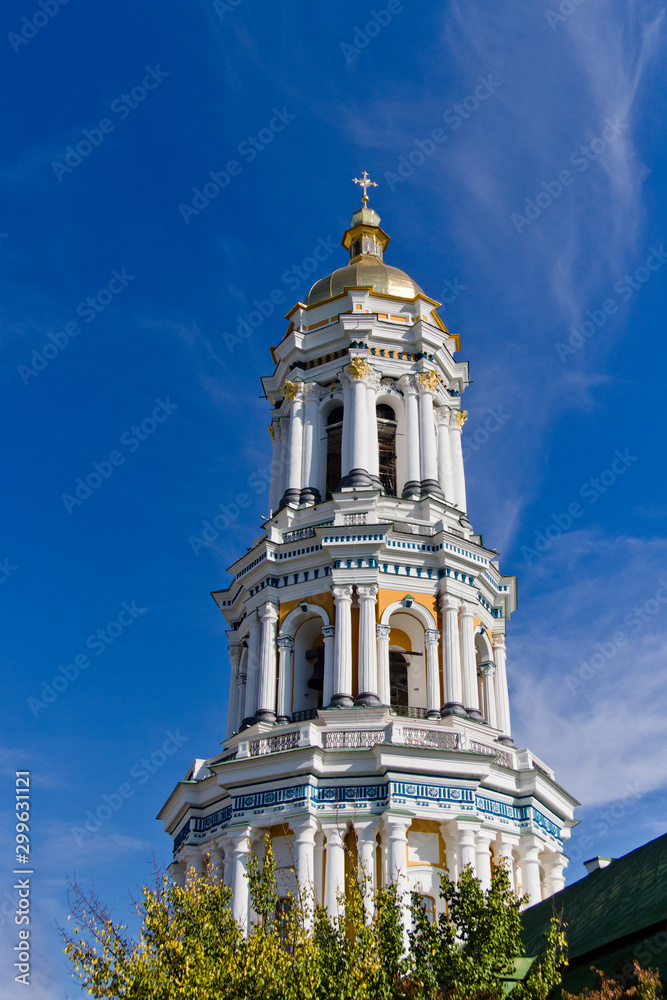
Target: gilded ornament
462, 416
358, 368
429, 380
272, 433
290, 390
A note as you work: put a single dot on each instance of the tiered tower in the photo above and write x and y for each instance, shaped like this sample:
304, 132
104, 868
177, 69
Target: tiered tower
368, 708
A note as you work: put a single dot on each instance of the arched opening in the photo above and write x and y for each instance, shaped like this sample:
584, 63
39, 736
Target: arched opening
386, 421
398, 679
334, 450
308, 677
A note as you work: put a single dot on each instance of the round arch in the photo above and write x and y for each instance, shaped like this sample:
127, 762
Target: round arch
292, 619
418, 610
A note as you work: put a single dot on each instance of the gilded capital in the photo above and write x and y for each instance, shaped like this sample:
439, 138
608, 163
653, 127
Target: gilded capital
461, 417
272, 433
429, 380
290, 390
358, 368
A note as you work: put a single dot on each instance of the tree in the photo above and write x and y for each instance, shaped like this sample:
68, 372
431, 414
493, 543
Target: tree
642, 983
191, 947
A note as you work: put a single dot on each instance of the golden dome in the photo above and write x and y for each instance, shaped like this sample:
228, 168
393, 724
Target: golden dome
365, 272
366, 243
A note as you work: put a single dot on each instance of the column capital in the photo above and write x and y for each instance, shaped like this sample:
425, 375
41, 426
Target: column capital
328, 631
396, 826
285, 642
367, 592
268, 612
498, 640
383, 631
431, 635
342, 593
312, 391
485, 837
530, 847
448, 602
235, 652
442, 415
292, 391
429, 382
487, 669
334, 833
466, 610
369, 827
408, 385
304, 829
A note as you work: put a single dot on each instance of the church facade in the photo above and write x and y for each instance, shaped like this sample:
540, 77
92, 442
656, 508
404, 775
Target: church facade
369, 715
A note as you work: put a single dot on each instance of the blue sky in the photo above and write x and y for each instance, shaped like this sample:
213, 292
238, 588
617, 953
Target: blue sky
531, 206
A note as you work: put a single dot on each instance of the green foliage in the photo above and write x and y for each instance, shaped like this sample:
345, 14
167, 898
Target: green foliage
644, 983
191, 947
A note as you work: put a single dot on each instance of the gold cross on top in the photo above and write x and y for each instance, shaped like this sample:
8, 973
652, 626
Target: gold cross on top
365, 183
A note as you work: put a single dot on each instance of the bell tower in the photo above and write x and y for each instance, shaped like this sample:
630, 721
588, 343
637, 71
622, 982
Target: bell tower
368, 686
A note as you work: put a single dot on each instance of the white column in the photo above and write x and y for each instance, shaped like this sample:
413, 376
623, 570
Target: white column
239, 883
457, 459
487, 670
177, 871
451, 656
310, 472
397, 832
274, 495
318, 878
428, 451
445, 470
368, 666
234, 692
483, 857
469, 662
373, 459
329, 632
366, 831
359, 435
304, 850
266, 709
294, 482
384, 687
433, 699
502, 694
529, 861
346, 444
285, 674
334, 886
554, 865
342, 684
466, 843
225, 844
282, 469
252, 670
193, 859
505, 852
217, 863
412, 486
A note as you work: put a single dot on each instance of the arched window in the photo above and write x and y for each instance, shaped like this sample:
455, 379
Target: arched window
316, 681
427, 903
386, 420
398, 679
334, 449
